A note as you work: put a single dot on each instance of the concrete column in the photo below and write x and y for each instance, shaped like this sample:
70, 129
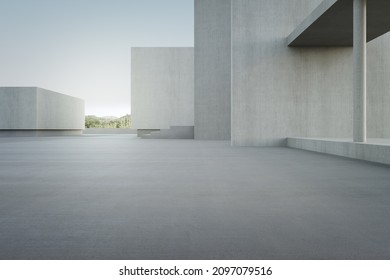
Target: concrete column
359, 71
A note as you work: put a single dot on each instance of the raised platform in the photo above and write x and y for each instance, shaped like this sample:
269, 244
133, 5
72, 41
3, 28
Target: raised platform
375, 150
331, 24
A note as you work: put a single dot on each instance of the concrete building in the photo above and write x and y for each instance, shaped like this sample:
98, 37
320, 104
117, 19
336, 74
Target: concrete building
162, 92
269, 70
299, 69
37, 111
280, 91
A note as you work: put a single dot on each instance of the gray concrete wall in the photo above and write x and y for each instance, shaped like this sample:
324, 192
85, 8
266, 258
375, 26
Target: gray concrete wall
162, 87
32, 108
212, 69
17, 108
378, 87
279, 91
59, 111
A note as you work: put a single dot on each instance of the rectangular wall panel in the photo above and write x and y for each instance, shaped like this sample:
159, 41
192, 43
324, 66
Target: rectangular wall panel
212, 69
162, 87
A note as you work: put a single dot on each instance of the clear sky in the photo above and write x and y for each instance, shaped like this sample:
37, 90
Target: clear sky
82, 47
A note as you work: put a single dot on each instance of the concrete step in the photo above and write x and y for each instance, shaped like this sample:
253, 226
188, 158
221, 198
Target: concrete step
145, 132
174, 132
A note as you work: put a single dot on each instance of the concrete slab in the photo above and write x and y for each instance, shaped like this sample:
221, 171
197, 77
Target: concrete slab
119, 197
331, 24
375, 150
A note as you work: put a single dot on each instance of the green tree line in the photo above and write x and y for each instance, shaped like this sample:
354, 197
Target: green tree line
107, 122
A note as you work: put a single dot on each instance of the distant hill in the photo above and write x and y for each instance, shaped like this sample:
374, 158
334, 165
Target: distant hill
107, 122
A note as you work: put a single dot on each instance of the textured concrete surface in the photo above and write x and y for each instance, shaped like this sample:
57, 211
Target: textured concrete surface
378, 88
59, 111
279, 91
162, 87
17, 108
212, 69
119, 197
331, 24
375, 150
32, 108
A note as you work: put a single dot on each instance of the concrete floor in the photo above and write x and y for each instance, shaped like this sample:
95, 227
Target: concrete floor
118, 197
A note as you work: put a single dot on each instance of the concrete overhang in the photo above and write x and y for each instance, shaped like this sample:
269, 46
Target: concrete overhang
331, 24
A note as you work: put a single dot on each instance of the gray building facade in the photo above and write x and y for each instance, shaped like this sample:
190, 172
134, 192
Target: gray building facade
254, 87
